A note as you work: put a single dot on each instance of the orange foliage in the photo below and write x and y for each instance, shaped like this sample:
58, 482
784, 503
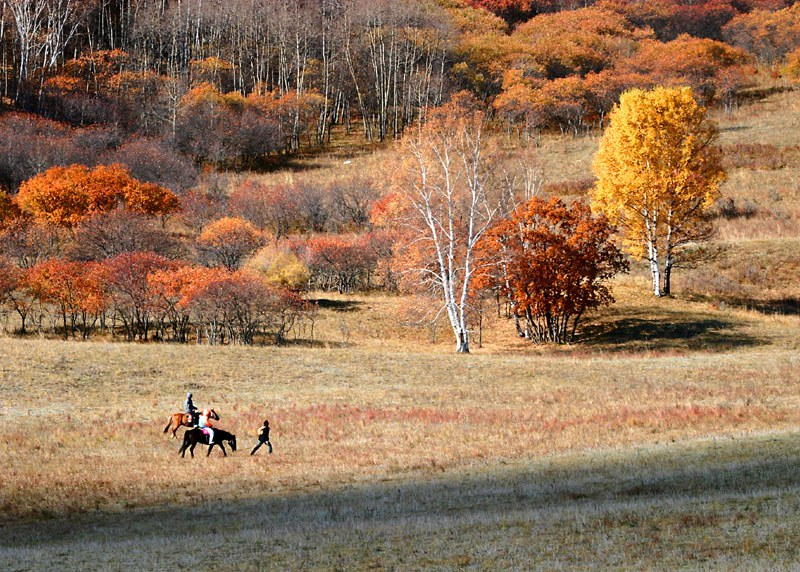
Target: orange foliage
551, 260
576, 42
125, 278
709, 67
237, 305
91, 73
67, 195
768, 35
229, 240
9, 211
73, 287
9, 277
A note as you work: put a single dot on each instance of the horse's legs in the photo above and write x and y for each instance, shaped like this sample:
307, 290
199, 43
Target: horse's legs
191, 449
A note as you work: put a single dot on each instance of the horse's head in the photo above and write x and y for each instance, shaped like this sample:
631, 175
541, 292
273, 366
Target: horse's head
214, 415
232, 442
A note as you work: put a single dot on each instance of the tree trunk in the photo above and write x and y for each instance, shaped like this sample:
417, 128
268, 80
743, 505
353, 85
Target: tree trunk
665, 291
652, 257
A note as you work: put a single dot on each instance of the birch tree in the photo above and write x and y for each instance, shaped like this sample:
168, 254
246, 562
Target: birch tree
450, 205
657, 173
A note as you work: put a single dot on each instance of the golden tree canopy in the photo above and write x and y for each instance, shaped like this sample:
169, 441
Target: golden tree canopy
658, 171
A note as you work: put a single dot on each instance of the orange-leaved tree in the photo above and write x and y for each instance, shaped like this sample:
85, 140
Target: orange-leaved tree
134, 302
657, 173
237, 306
9, 212
73, 290
67, 195
551, 261
228, 241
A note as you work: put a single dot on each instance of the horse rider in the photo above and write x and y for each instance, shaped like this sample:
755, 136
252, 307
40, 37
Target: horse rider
263, 437
204, 422
190, 409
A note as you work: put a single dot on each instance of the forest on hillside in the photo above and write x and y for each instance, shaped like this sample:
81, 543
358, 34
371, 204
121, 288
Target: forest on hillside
120, 118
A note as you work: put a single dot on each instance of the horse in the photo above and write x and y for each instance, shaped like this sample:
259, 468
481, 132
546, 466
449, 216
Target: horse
178, 420
195, 435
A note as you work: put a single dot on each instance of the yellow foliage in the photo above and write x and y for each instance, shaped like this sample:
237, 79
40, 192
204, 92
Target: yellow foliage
657, 172
280, 268
288, 271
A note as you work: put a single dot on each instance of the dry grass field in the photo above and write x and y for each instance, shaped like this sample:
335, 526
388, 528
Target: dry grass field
669, 438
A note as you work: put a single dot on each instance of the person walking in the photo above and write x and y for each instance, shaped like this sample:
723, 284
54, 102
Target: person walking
263, 438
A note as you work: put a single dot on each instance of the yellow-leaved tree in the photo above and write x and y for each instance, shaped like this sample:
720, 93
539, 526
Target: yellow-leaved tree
657, 173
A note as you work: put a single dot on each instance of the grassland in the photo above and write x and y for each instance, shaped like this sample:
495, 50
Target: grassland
669, 438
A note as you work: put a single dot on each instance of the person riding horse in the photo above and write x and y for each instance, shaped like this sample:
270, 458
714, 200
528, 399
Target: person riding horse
190, 409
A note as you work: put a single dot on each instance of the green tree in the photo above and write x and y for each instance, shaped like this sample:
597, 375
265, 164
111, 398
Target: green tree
657, 173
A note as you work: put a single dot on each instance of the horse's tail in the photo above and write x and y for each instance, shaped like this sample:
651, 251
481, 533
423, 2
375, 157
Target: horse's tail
169, 424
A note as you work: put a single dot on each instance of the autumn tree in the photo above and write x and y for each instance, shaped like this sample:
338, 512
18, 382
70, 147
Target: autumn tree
73, 289
768, 34
65, 196
450, 205
280, 267
237, 306
657, 173
9, 212
551, 261
228, 241
108, 234
132, 300
341, 263
10, 297
714, 71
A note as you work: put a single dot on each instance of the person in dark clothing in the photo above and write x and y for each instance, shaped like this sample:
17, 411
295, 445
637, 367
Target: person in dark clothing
190, 409
263, 437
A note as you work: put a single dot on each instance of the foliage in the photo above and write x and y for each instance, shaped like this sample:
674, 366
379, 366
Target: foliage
657, 173
228, 241
714, 71
132, 302
236, 306
552, 262
341, 263
74, 288
448, 206
280, 267
770, 35
9, 212
67, 195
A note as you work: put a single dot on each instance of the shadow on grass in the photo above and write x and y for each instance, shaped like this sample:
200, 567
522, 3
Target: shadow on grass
596, 491
782, 306
667, 333
338, 305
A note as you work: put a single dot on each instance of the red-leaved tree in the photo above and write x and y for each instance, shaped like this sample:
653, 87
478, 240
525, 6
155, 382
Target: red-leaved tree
551, 260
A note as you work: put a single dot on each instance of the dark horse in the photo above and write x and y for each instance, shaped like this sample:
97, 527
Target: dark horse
178, 420
195, 435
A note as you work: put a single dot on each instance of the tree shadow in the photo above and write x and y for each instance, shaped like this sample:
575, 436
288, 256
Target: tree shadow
667, 333
783, 306
338, 305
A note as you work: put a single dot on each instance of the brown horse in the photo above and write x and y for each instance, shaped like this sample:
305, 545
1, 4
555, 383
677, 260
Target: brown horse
179, 420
